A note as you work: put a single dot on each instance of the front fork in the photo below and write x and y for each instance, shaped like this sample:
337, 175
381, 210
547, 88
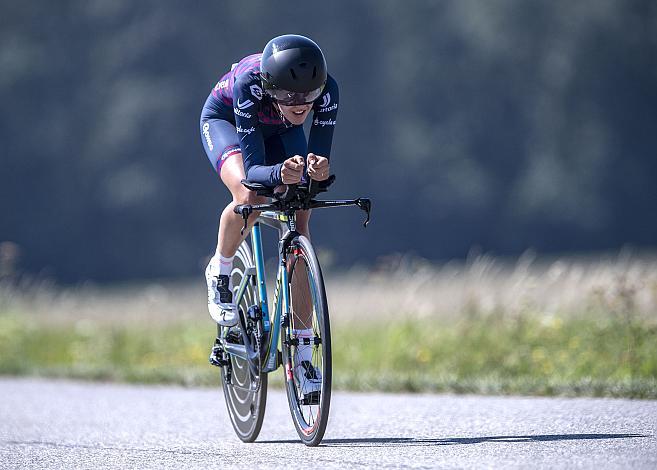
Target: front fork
285, 320
284, 249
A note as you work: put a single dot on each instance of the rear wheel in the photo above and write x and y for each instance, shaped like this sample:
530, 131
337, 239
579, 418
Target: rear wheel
245, 393
307, 355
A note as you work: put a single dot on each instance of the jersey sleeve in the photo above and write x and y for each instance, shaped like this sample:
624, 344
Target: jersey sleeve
325, 112
247, 100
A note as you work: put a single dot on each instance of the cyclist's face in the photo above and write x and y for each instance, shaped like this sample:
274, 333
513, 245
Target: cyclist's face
296, 114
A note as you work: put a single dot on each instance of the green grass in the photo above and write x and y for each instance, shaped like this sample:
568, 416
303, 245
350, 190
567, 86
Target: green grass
603, 354
562, 327
590, 356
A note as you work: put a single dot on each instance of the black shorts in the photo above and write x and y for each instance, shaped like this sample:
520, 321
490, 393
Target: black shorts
221, 142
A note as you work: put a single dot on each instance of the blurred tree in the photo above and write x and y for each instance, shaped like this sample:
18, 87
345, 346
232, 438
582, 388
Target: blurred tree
515, 125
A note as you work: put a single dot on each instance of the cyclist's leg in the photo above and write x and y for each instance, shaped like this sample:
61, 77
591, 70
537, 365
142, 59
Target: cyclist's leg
229, 238
303, 220
221, 145
300, 288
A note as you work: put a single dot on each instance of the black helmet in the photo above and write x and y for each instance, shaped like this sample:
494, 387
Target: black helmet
293, 69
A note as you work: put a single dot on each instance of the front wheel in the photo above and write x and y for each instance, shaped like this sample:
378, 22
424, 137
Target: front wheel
307, 344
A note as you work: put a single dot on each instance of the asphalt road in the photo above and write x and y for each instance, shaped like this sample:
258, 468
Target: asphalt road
64, 424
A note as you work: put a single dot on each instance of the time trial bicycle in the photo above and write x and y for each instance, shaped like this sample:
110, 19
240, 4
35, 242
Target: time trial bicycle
260, 343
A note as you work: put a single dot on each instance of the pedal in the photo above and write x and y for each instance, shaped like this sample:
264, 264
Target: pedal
311, 398
215, 358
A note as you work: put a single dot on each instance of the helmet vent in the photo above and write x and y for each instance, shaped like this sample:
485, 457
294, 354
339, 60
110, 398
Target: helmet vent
294, 75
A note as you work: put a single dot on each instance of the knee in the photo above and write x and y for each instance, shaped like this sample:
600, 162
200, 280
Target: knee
244, 196
303, 223
303, 229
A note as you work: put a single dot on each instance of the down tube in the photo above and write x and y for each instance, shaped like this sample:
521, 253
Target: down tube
272, 353
256, 243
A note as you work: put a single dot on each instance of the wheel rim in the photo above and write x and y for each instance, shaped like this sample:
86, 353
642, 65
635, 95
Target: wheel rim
243, 404
308, 415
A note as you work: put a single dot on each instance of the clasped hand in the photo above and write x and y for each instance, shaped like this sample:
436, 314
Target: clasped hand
292, 169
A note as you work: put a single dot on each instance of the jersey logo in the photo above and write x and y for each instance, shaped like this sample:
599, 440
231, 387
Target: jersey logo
206, 134
244, 104
325, 101
239, 112
328, 122
256, 91
221, 84
245, 130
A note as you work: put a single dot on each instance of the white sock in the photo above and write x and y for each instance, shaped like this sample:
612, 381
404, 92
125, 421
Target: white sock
304, 351
225, 265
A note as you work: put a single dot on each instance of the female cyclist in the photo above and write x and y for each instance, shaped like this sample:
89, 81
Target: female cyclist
252, 128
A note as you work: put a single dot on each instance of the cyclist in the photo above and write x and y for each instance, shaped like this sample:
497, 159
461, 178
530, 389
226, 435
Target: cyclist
252, 128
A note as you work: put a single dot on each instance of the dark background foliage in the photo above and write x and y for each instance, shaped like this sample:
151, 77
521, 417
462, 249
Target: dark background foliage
504, 124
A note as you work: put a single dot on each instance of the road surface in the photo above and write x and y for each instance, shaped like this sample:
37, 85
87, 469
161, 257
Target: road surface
65, 424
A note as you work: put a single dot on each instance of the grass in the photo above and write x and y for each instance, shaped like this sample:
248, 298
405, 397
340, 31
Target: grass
498, 332
587, 355
528, 355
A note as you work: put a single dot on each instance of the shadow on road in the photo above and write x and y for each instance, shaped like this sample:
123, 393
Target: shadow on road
410, 441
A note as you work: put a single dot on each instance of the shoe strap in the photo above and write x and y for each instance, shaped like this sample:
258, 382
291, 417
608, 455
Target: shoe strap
223, 286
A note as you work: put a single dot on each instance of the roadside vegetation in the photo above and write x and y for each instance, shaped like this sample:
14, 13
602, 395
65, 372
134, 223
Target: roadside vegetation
565, 327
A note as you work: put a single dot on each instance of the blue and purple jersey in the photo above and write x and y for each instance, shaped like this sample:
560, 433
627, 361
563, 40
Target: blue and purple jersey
239, 99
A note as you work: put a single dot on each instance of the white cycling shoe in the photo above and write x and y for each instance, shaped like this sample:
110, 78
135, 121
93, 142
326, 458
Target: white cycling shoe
220, 298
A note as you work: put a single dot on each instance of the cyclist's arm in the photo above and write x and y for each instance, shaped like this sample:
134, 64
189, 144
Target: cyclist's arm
247, 97
325, 112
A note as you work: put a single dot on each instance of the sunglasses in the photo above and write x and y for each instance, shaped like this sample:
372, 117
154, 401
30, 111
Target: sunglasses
291, 98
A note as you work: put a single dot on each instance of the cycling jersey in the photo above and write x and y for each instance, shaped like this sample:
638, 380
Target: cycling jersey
239, 99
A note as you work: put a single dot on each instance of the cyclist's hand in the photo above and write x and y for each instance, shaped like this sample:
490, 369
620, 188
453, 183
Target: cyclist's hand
292, 170
318, 167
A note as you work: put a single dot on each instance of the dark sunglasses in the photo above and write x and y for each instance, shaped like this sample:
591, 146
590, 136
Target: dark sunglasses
291, 98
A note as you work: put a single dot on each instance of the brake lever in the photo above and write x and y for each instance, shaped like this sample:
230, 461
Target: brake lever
245, 211
366, 205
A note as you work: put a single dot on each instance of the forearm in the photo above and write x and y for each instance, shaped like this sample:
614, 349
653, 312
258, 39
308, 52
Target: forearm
264, 174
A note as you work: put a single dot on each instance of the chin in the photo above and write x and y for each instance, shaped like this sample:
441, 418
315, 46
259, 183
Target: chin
293, 118
297, 121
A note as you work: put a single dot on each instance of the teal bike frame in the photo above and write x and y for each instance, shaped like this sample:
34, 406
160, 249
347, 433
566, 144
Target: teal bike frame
280, 215
286, 226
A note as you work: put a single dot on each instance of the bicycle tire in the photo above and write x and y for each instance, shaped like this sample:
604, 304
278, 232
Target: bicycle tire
246, 409
309, 419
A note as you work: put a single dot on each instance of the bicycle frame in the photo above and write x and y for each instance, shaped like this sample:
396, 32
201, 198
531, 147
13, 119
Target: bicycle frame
281, 215
286, 226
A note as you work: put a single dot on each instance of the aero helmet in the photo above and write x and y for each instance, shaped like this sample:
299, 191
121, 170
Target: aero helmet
293, 70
